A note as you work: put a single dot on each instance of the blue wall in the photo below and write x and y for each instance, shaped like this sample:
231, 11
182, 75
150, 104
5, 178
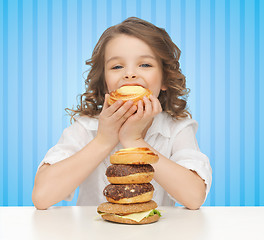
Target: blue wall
43, 47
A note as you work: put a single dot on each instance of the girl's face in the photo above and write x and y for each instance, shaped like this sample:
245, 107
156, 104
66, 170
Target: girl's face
130, 61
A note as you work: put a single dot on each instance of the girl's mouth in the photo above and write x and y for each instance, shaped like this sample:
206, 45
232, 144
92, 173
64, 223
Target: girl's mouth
132, 84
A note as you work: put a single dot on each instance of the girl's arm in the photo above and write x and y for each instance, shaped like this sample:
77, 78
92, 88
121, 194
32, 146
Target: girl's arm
55, 182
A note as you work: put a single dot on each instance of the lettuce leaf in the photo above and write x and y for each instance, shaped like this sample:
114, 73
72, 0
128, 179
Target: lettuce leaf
153, 212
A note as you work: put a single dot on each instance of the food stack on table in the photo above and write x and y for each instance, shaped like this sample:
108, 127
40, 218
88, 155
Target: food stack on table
130, 192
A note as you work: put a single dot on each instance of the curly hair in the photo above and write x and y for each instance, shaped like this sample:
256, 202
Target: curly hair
173, 100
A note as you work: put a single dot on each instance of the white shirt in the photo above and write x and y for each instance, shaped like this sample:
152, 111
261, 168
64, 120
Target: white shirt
175, 139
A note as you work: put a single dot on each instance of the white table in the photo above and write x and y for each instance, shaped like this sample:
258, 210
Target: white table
176, 223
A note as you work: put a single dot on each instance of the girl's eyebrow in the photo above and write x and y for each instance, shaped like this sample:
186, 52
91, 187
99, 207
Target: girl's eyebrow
142, 56
148, 56
112, 58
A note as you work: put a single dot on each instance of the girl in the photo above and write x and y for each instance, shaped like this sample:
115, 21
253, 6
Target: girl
134, 52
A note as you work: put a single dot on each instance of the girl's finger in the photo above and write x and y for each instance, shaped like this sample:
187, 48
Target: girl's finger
156, 106
110, 110
106, 105
148, 105
122, 110
129, 113
140, 110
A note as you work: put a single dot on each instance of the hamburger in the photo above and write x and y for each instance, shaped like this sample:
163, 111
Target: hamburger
136, 213
125, 93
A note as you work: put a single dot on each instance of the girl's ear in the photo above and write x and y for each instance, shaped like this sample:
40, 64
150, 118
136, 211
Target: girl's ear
163, 88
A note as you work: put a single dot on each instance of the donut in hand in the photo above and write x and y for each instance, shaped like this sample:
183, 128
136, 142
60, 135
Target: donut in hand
125, 93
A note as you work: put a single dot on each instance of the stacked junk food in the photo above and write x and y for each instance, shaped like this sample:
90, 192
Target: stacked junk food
130, 192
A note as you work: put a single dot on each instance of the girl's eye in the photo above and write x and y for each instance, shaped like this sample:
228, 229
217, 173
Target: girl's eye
117, 67
145, 65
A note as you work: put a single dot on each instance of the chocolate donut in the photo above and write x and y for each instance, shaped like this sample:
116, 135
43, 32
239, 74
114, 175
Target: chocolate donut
129, 174
128, 193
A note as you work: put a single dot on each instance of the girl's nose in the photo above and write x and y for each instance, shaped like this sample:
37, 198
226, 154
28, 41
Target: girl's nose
130, 73
130, 76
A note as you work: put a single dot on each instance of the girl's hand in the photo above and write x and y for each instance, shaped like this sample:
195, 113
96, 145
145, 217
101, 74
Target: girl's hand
111, 119
136, 126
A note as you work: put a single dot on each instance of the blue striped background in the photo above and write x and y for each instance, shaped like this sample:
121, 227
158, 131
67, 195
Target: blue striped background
43, 47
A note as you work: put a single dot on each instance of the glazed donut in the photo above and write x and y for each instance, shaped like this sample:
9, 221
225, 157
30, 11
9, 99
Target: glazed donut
129, 173
128, 193
134, 156
125, 93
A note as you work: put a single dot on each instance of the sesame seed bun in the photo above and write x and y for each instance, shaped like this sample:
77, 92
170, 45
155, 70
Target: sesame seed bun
114, 208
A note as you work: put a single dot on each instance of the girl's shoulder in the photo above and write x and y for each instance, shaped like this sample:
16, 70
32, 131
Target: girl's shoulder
89, 123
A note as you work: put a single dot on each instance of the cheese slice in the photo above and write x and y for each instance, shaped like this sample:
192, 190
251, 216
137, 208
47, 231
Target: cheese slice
136, 216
